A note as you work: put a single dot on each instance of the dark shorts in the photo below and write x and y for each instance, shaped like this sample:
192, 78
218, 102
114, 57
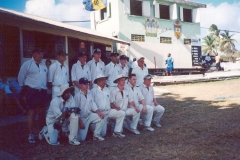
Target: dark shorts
14, 95
169, 70
36, 98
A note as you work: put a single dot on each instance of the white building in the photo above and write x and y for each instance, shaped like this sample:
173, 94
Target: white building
20, 33
153, 28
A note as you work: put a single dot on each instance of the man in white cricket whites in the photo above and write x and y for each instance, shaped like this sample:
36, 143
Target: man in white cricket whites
146, 110
148, 94
112, 70
134, 63
101, 96
140, 71
33, 78
58, 112
120, 99
58, 74
123, 67
80, 70
89, 112
96, 65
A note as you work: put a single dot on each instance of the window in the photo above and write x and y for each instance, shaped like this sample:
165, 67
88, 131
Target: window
103, 13
140, 38
136, 7
187, 15
48, 42
187, 41
9, 50
164, 11
167, 40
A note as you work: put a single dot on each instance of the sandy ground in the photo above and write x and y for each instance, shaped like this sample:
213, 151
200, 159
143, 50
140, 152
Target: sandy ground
201, 122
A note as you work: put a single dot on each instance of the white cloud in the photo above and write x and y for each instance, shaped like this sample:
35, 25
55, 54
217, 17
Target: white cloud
59, 10
226, 16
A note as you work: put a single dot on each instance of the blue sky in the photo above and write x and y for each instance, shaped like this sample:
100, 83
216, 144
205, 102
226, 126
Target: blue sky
17, 5
214, 2
223, 13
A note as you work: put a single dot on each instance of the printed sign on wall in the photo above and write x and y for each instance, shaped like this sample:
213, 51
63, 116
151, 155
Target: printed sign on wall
196, 55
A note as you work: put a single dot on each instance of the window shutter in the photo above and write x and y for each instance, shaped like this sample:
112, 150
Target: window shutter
196, 15
109, 10
98, 15
181, 14
157, 15
127, 6
173, 11
146, 8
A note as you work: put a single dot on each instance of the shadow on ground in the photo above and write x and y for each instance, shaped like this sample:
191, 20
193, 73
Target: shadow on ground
191, 129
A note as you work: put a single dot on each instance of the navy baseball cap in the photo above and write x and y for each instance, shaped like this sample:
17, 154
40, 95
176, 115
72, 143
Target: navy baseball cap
81, 54
123, 57
37, 50
114, 54
83, 81
61, 53
97, 50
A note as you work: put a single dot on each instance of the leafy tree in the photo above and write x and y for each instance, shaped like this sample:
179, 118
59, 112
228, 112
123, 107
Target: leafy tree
208, 44
219, 40
227, 43
215, 32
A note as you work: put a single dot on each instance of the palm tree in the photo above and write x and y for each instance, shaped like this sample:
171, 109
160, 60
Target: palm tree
208, 44
215, 32
227, 44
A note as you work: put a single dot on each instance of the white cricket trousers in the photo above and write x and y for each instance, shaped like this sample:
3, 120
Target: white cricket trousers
55, 91
135, 117
113, 114
146, 117
158, 113
92, 118
72, 128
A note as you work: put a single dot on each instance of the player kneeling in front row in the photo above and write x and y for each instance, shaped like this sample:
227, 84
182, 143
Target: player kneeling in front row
146, 110
101, 96
61, 118
148, 94
89, 112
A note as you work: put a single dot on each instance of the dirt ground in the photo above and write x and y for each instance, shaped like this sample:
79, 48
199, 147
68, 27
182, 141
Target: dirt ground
202, 121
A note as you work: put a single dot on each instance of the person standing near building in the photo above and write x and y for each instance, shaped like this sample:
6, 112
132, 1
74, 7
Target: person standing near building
33, 78
208, 60
120, 99
58, 113
134, 63
146, 110
112, 70
80, 70
96, 65
101, 96
58, 74
129, 63
140, 71
12, 94
48, 63
89, 112
149, 96
217, 60
123, 67
169, 63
